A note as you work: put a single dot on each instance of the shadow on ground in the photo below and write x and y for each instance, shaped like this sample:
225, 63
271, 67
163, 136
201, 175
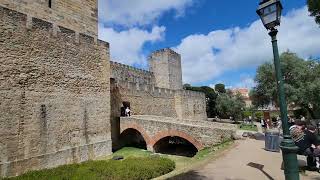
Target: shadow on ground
260, 168
189, 175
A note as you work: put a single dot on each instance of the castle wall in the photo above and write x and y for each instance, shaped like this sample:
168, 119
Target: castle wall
122, 72
79, 15
190, 105
140, 88
54, 95
147, 100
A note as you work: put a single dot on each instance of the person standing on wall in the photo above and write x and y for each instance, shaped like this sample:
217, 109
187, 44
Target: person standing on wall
128, 111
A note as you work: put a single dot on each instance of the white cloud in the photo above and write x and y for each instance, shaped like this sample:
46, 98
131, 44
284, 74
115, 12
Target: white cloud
126, 46
138, 12
246, 81
206, 56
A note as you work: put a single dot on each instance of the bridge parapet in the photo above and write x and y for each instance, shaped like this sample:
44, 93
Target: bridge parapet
200, 133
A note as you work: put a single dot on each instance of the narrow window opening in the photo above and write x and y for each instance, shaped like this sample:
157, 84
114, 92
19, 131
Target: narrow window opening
49, 3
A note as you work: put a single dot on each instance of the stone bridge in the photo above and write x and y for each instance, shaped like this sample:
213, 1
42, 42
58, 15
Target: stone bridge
199, 133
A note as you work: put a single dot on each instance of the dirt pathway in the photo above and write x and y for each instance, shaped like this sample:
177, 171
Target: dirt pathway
247, 161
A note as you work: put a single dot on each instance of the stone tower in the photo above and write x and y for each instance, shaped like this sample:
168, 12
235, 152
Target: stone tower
166, 66
78, 15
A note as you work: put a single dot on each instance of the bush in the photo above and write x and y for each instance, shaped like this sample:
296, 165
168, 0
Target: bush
248, 127
130, 168
246, 114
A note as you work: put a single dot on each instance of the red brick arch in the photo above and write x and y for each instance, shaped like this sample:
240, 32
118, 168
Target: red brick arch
181, 134
137, 127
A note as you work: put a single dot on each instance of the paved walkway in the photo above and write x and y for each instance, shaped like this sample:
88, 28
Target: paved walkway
247, 161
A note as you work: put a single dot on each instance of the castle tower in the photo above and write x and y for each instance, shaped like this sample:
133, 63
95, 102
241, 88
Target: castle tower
78, 15
166, 67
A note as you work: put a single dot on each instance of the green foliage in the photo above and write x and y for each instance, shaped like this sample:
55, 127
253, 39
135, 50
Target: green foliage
130, 168
246, 114
211, 96
229, 105
248, 127
258, 115
220, 88
314, 9
301, 81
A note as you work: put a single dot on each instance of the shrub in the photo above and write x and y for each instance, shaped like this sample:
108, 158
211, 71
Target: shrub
130, 168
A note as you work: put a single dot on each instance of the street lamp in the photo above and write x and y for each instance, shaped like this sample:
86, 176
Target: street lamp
270, 14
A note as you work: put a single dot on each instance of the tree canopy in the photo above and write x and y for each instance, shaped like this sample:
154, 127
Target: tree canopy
314, 9
301, 82
223, 104
230, 105
220, 88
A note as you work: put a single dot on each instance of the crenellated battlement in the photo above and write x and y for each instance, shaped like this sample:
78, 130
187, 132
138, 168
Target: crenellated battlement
140, 88
131, 68
189, 93
21, 19
122, 72
162, 51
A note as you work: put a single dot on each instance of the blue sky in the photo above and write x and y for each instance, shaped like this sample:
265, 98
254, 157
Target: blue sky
219, 41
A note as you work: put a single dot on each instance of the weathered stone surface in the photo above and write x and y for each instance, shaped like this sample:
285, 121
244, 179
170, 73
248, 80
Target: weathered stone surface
166, 66
54, 96
200, 133
148, 96
79, 15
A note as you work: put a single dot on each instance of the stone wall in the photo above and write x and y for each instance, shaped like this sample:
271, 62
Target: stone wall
79, 15
54, 95
122, 72
139, 87
200, 133
190, 105
146, 99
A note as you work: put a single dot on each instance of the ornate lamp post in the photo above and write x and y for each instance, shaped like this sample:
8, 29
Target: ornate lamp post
270, 14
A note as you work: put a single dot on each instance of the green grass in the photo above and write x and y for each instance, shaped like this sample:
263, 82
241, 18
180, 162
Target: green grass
130, 168
248, 127
137, 164
132, 152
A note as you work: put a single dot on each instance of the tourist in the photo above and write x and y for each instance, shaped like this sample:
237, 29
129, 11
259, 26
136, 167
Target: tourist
268, 123
263, 124
307, 142
128, 111
290, 121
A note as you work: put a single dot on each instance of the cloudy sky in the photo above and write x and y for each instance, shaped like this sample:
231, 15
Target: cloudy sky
219, 41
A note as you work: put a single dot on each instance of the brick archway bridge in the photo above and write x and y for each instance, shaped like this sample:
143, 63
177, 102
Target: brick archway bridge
199, 133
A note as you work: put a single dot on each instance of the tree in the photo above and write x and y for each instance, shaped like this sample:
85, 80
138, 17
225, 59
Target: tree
220, 88
314, 9
211, 97
301, 82
230, 106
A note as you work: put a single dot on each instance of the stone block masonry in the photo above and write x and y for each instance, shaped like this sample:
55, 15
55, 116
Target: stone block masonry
200, 133
54, 94
147, 96
79, 15
166, 66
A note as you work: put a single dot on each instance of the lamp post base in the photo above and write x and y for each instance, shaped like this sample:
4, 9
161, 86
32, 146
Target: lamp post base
289, 154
